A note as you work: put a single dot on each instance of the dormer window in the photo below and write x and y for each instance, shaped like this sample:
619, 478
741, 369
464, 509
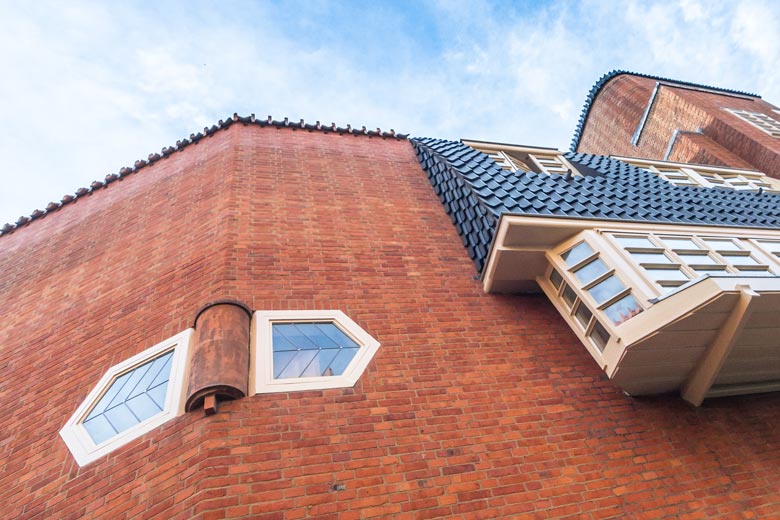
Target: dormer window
682, 174
524, 158
765, 122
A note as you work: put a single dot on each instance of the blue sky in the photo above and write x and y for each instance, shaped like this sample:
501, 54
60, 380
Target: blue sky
90, 87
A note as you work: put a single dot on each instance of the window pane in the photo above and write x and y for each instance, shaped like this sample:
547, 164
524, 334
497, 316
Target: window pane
605, 290
556, 278
666, 274
697, 259
774, 247
583, 314
143, 407
99, 429
337, 335
590, 271
156, 374
320, 363
600, 336
295, 338
295, 367
283, 358
577, 253
316, 335
164, 373
310, 350
651, 258
635, 242
569, 296
129, 385
339, 365
756, 272
713, 271
121, 418
722, 245
132, 398
680, 243
280, 341
114, 389
623, 310
740, 260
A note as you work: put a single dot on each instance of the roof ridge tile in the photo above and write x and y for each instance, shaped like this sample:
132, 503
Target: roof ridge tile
194, 138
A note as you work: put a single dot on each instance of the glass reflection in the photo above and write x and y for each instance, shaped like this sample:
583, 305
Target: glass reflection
577, 254
605, 290
590, 271
651, 258
623, 310
627, 242
680, 243
310, 350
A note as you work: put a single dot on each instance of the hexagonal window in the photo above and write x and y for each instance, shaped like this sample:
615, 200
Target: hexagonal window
131, 399
306, 350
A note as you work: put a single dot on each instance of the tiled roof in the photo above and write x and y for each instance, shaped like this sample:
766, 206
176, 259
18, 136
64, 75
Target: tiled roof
606, 78
451, 167
193, 139
476, 192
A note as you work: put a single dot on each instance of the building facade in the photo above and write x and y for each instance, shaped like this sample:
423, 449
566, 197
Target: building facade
278, 320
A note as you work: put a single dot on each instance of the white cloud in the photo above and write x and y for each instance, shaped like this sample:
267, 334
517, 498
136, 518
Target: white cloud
88, 87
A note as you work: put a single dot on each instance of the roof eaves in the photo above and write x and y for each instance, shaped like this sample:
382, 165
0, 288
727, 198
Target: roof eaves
606, 78
183, 143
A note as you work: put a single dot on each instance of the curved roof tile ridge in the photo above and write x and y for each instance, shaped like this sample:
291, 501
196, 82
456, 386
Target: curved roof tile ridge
183, 143
606, 78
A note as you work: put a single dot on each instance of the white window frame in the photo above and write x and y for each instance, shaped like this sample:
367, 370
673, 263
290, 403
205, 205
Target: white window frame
616, 266
79, 442
763, 122
683, 174
261, 373
525, 158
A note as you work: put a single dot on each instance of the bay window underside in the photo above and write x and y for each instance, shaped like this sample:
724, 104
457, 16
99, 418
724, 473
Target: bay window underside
709, 335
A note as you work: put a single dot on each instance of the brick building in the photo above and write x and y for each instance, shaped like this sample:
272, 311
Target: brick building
279, 320
648, 117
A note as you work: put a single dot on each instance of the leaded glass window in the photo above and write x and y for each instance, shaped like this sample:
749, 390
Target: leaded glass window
311, 350
132, 398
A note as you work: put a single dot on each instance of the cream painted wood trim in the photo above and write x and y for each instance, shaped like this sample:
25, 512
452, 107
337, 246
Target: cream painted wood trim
263, 381
574, 226
77, 439
701, 378
743, 389
657, 228
643, 287
499, 147
670, 164
568, 316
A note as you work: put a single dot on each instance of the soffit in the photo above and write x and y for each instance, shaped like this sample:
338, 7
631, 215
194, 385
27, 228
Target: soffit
662, 348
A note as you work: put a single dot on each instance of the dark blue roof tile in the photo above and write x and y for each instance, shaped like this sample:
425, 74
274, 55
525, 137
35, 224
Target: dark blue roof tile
616, 191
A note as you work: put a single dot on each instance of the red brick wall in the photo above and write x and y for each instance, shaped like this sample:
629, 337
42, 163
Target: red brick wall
476, 406
617, 110
696, 148
614, 116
